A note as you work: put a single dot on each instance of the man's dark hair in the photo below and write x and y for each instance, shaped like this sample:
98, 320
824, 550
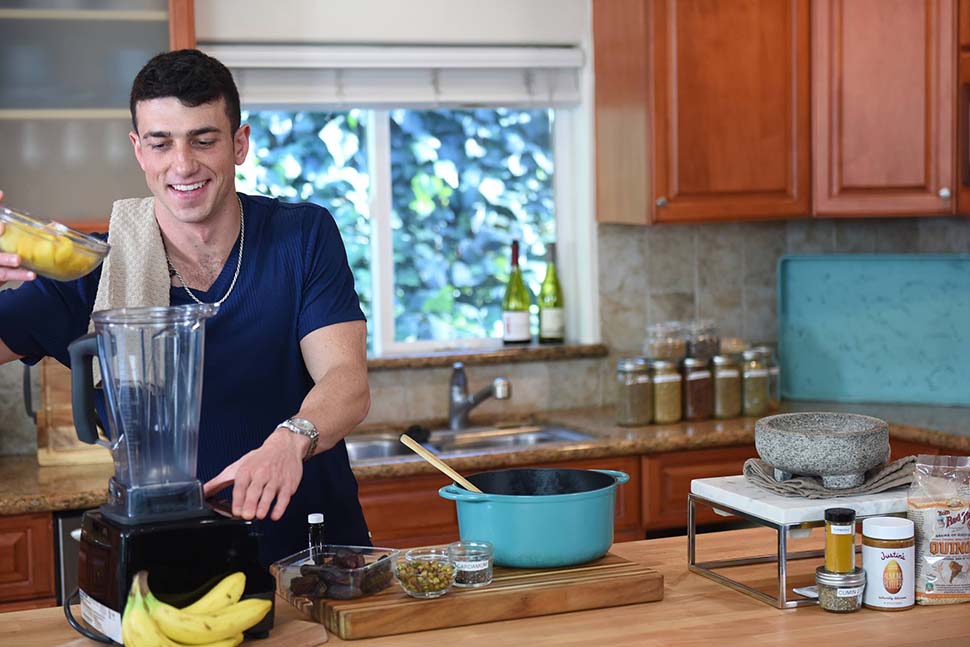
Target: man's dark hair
191, 77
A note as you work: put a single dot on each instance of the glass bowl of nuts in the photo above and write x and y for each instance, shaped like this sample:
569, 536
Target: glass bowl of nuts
425, 572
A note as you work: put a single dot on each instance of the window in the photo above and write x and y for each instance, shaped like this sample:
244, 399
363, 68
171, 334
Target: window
430, 173
464, 184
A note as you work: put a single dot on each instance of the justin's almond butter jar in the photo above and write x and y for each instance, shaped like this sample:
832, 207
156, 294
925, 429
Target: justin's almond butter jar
888, 558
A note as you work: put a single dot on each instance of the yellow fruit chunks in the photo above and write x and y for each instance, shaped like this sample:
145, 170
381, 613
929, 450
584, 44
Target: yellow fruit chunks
53, 256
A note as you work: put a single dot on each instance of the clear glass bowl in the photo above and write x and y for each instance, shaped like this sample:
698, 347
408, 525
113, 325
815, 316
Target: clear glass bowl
49, 248
347, 572
425, 572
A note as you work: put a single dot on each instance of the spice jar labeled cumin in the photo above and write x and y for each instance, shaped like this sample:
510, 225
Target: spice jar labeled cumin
666, 392
727, 387
698, 390
634, 392
889, 559
840, 592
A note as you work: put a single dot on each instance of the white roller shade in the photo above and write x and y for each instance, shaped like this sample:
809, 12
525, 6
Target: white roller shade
393, 22
338, 76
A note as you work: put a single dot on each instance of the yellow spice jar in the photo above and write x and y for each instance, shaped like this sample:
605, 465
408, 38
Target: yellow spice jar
840, 540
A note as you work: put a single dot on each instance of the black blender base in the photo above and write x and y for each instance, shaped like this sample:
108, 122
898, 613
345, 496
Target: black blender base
184, 559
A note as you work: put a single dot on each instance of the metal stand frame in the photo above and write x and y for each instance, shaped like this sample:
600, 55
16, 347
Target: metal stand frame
706, 569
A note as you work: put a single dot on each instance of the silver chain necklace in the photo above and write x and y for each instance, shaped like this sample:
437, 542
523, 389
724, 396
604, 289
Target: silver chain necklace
242, 240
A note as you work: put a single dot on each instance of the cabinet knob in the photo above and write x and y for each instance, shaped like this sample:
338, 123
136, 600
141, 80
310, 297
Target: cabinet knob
944, 193
661, 201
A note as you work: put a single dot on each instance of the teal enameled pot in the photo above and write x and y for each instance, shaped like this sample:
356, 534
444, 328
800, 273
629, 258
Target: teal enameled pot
539, 518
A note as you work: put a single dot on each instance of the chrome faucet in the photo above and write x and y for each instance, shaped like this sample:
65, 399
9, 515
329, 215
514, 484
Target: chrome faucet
460, 403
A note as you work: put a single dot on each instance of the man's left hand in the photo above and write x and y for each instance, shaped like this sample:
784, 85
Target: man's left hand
269, 473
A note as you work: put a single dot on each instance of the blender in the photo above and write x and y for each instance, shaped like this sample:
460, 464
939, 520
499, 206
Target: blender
150, 362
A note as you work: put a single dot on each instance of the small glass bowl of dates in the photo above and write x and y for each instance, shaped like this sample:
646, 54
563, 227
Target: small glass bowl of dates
425, 572
333, 572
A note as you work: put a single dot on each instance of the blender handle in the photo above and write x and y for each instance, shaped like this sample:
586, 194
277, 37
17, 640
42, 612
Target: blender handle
82, 350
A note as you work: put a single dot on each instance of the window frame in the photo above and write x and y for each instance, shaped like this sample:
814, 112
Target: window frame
573, 157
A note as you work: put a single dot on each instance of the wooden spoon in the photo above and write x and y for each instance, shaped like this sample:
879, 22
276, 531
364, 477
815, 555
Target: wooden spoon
438, 463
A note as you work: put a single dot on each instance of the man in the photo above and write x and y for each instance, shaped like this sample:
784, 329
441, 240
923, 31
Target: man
289, 340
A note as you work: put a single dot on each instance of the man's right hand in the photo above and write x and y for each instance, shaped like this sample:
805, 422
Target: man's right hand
10, 264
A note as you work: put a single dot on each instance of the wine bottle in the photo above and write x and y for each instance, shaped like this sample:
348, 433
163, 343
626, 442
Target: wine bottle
515, 305
552, 321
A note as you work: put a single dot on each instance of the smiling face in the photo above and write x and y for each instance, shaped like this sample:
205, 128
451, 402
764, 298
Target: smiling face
189, 156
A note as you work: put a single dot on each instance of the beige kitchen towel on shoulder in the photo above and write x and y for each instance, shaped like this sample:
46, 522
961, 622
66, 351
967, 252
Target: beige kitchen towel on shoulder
135, 273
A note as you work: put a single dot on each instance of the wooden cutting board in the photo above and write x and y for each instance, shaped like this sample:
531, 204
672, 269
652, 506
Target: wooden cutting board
514, 593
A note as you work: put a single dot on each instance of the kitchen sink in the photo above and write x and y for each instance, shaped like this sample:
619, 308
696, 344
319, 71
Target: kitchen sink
368, 447
374, 447
498, 437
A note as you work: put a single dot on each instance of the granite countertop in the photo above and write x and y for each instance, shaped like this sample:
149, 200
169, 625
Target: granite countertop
25, 487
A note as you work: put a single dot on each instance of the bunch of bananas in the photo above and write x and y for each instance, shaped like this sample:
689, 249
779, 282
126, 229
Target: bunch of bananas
216, 620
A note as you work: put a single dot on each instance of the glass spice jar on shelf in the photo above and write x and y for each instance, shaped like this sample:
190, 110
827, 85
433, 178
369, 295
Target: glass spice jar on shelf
754, 383
634, 392
702, 339
774, 375
667, 341
698, 389
727, 387
666, 391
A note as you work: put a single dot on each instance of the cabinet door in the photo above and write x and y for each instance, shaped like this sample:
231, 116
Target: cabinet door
26, 559
963, 128
722, 89
181, 24
964, 23
884, 95
407, 511
667, 477
901, 448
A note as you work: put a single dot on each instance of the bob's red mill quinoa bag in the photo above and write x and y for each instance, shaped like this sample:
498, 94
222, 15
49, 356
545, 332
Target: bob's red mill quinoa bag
939, 507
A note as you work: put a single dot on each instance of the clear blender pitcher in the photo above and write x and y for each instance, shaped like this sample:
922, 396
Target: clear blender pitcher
150, 362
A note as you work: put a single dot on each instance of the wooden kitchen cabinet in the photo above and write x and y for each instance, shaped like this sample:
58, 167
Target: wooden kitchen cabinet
666, 481
27, 562
884, 96
407, 511
963, 111
181, 24
902, 448
964, 18
702, 110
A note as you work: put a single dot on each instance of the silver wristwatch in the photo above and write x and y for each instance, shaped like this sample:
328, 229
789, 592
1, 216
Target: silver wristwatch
303, 427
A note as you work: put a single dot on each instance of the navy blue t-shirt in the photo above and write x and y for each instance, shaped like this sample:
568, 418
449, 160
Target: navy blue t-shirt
293, 280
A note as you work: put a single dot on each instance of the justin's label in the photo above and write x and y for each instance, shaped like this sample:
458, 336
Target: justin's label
890, 577
516, 326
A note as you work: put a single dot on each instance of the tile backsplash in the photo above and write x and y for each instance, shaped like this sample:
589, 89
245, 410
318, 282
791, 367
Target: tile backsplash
726, 272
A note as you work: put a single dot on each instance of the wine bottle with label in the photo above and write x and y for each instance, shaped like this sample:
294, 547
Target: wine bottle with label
552, 321
515, 305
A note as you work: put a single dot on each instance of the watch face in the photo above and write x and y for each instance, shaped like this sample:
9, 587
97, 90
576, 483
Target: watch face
303, 425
